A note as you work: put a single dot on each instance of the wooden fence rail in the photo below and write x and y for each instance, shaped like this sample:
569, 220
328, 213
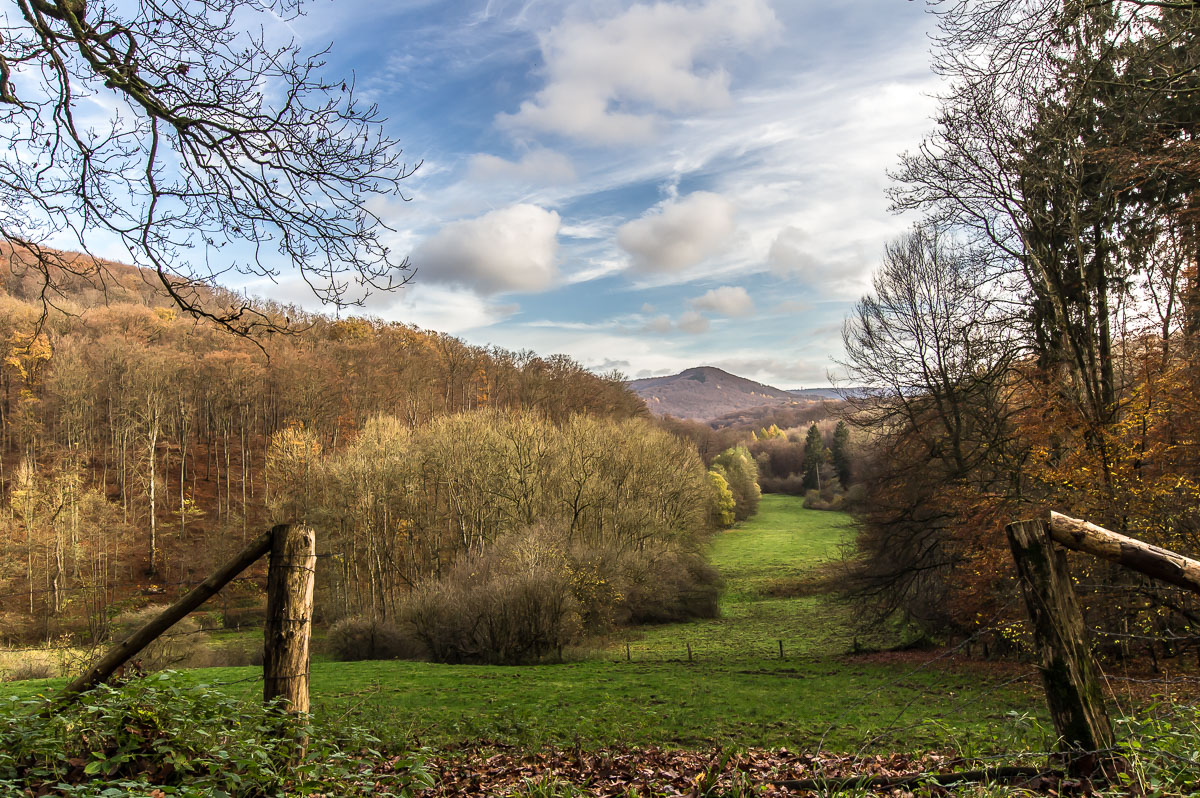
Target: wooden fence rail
1070, 673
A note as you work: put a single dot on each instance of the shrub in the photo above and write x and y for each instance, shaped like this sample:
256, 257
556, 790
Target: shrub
666, 586
184, 645
792, 484
154, 737
237, 617
511, 604
31, 669
354, 639
532, 593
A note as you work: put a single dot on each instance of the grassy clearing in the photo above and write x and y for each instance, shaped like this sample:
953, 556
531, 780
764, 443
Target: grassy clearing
777, 567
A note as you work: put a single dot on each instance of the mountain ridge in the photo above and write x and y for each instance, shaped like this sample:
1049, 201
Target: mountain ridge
703, 393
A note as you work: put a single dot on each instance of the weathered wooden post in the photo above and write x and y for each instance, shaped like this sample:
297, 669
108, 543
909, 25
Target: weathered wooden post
291, 572
1069, 672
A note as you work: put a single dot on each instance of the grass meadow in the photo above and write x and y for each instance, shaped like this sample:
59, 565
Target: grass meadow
735, 691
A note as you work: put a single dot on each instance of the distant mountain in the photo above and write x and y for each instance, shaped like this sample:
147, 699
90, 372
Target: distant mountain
826, 393
706, 393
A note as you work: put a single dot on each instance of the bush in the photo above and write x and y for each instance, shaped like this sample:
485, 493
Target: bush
153, 736
354, 639
30, 669
184, 645
531, 594
513, 604
237, 617
792, 484
668, 586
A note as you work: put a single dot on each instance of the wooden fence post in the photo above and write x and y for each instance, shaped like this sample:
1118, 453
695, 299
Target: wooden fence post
290, 581
128, 648
1069, 672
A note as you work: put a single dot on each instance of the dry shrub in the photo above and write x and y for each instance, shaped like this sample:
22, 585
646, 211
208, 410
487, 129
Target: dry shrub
30, 669
668, 585
254, 616
529, 595
184, 645
792, 484
354, 639
512, 604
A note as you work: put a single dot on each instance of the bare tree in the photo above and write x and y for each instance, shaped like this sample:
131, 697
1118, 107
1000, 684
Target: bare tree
178, 128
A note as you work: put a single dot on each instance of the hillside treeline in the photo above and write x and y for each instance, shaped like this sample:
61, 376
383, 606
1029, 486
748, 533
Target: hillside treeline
1033, 345
134, 441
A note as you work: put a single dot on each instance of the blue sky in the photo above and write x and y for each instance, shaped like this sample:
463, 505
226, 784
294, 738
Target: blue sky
644, 187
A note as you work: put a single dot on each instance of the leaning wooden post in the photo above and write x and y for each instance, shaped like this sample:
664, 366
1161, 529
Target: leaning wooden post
1069, 672
290, 579
108, 664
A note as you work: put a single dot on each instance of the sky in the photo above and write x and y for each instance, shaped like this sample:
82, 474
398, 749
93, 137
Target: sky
645, 187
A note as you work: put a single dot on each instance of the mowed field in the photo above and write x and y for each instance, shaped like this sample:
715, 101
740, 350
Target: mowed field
735, 691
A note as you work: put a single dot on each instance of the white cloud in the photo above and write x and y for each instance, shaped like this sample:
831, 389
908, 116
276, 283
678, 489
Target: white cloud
692, 323
778, 372
440, 307
538, 167
728, 300
606, 79
660, 325
510, 249
678, 234
790, 253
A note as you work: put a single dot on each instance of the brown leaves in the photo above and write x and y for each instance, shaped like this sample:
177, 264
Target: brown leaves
653, 771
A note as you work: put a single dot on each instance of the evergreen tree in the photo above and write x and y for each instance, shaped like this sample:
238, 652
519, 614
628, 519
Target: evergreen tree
839, 453
814, 458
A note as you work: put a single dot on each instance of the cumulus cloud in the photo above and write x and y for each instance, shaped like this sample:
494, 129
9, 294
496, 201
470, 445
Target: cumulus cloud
679, 233
692, 323
659, 324
790, 253
606, 79
510, 249
539, 167
728, 300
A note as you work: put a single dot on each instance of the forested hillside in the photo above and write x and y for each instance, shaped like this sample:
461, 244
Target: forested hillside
135, 440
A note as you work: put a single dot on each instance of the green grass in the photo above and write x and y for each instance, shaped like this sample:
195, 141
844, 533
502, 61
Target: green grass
781, 543
736, 691
776, 567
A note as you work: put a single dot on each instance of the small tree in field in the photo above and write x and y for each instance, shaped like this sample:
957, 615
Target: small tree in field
814, 458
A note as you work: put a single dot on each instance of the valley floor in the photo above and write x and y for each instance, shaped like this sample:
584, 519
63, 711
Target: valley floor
735, 690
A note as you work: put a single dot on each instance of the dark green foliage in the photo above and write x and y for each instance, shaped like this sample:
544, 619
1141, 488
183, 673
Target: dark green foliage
154, 734
740, 470
814, 458
839, 453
